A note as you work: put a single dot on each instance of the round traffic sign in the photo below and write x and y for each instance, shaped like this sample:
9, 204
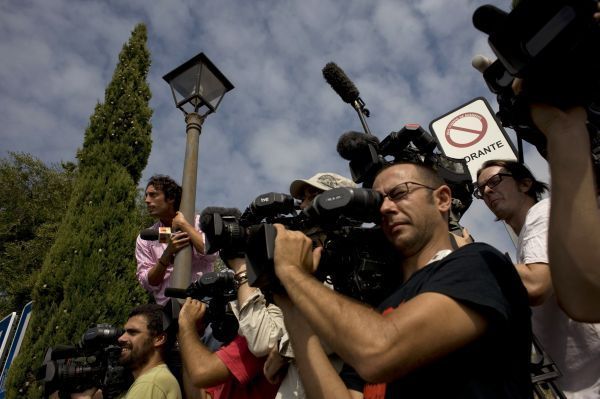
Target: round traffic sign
466, 129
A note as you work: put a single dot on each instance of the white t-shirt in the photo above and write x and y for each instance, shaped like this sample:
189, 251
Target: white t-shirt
573, 346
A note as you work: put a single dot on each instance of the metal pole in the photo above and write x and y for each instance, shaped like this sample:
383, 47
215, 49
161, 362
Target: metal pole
181, 275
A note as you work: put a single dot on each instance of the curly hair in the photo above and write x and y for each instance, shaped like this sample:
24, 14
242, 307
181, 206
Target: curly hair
168, 186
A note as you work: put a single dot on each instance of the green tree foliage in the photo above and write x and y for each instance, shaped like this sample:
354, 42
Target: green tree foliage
88, 275
33, 201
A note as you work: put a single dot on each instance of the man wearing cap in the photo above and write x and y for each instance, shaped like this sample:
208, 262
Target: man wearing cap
307, 189
262, 323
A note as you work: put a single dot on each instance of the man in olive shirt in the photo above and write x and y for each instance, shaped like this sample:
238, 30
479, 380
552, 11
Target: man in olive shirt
144, 346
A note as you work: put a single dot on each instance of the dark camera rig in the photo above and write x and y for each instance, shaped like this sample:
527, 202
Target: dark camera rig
355, 259
216, 289
368, 155
554, 46
93, 362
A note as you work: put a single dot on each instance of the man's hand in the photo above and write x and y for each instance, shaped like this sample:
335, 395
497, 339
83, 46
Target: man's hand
180, 222
192, 314
177, 242
237, 264
293, 249
551, 120
275, 366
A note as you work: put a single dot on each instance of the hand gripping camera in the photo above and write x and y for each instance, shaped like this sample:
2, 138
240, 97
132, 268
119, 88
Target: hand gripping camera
216, 289
357, 260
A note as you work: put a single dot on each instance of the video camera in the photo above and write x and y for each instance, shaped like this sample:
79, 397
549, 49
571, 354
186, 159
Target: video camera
355, 259
367, 155
216, 289
553, 45
227, 230
93, 362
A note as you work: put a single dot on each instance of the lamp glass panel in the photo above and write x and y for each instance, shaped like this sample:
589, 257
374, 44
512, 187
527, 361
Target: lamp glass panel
211, 88
185, 83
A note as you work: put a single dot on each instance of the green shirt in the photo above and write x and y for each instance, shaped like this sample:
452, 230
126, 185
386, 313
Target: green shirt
156, 383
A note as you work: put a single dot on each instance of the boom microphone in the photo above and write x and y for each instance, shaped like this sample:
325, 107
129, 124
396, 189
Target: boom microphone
353, 145
343, 86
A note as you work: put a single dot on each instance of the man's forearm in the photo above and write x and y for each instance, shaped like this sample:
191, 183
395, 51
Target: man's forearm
345, 325
574, 223
536, 279
156, 274
204, 368
319, 377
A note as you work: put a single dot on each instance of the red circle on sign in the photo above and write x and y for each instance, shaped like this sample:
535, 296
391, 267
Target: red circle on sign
475, 135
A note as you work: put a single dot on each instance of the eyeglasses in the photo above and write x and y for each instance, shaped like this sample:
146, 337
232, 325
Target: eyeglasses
491, 183
403, 189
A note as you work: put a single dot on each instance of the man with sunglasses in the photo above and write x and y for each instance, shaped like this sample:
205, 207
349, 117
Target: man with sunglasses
513, 195
458, 325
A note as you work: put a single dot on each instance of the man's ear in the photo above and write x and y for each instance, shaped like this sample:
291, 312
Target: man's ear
443, 198
160, 339
525, 184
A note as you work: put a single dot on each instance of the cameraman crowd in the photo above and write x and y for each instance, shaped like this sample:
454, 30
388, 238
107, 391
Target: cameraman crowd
459, 323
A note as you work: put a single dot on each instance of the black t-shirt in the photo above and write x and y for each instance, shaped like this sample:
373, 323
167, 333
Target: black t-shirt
494, 366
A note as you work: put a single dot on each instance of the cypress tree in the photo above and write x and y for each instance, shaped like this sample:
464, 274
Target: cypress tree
88, 275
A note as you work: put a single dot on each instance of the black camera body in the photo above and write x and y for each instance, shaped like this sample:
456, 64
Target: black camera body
412, 143
356, 259
216, 289
93, 362
228, 231
554, 46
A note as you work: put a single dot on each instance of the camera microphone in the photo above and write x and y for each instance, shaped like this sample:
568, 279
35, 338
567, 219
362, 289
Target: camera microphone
351, 145
149, 234
162, 234
481, 63
339, 81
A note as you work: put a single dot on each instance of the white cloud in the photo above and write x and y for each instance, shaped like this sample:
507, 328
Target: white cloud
410, 61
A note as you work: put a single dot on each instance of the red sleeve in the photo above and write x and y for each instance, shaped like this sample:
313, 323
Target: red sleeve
242, 364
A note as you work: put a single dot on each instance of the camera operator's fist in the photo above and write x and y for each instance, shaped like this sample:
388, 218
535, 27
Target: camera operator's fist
192, 314
293, 249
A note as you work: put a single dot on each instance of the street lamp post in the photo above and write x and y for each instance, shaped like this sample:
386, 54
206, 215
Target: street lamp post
198, 88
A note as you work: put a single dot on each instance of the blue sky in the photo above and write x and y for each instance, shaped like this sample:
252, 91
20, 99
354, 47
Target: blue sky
409, 59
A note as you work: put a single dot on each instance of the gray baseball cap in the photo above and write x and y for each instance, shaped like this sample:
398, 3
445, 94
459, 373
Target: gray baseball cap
322, 181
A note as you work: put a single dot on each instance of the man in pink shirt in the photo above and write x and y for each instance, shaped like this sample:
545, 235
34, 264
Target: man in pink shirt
155, 259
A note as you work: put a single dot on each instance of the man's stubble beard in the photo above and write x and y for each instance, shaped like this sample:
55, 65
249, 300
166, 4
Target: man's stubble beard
138, 357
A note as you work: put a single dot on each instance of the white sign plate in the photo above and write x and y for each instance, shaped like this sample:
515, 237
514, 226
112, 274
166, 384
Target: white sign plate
473, 133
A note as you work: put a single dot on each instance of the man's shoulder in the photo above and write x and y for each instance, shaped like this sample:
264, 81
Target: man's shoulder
479, 249
157, 382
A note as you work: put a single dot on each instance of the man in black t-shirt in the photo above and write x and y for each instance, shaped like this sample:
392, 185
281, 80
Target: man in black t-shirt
457, 327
